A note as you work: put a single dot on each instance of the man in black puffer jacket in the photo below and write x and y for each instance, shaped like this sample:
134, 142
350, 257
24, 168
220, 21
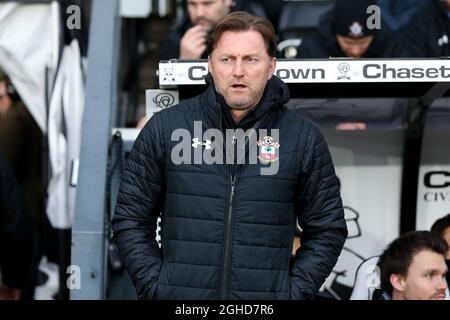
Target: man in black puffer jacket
227, 227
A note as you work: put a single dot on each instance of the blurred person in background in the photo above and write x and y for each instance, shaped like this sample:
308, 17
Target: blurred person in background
413, 268
344, 32
16, 238
442, 226
188, 41
21, 144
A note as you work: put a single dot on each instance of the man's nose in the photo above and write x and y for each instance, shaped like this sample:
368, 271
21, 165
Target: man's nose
200, 11
442, 284
238, 70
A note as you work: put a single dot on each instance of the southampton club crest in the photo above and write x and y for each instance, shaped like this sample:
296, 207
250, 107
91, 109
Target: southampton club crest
267, 150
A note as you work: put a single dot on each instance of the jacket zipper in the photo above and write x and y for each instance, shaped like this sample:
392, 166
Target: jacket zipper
227, 249
227, 253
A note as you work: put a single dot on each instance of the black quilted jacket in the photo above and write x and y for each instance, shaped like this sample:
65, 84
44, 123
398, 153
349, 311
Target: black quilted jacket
227, 230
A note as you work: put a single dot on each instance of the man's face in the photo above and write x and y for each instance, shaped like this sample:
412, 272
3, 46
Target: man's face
5, 99
354, 48
425, 279
207, 12
241, 67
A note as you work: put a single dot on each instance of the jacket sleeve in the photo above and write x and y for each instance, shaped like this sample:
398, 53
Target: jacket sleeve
138, 207
321, 218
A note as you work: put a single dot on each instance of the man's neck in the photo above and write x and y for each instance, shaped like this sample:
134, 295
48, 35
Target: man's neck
238, 115
397, 295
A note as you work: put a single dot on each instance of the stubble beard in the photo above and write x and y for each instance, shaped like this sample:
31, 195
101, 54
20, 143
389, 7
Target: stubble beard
240, 107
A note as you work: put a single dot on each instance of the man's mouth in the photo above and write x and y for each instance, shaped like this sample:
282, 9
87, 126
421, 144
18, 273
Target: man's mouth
238, 86
440, 296
204, 22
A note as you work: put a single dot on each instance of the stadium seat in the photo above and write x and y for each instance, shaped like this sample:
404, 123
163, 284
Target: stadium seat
367, 280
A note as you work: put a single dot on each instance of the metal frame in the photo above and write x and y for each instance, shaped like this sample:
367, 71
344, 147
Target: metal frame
88, 232
412, 155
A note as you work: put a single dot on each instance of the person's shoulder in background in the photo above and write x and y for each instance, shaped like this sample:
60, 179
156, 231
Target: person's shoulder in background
422, 34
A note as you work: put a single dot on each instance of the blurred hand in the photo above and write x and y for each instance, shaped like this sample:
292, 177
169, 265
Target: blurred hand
296, 245
351, 126
8, 293
193, 43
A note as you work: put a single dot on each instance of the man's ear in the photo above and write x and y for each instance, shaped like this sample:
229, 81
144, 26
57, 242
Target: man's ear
273, 66
397, 282
209, 64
